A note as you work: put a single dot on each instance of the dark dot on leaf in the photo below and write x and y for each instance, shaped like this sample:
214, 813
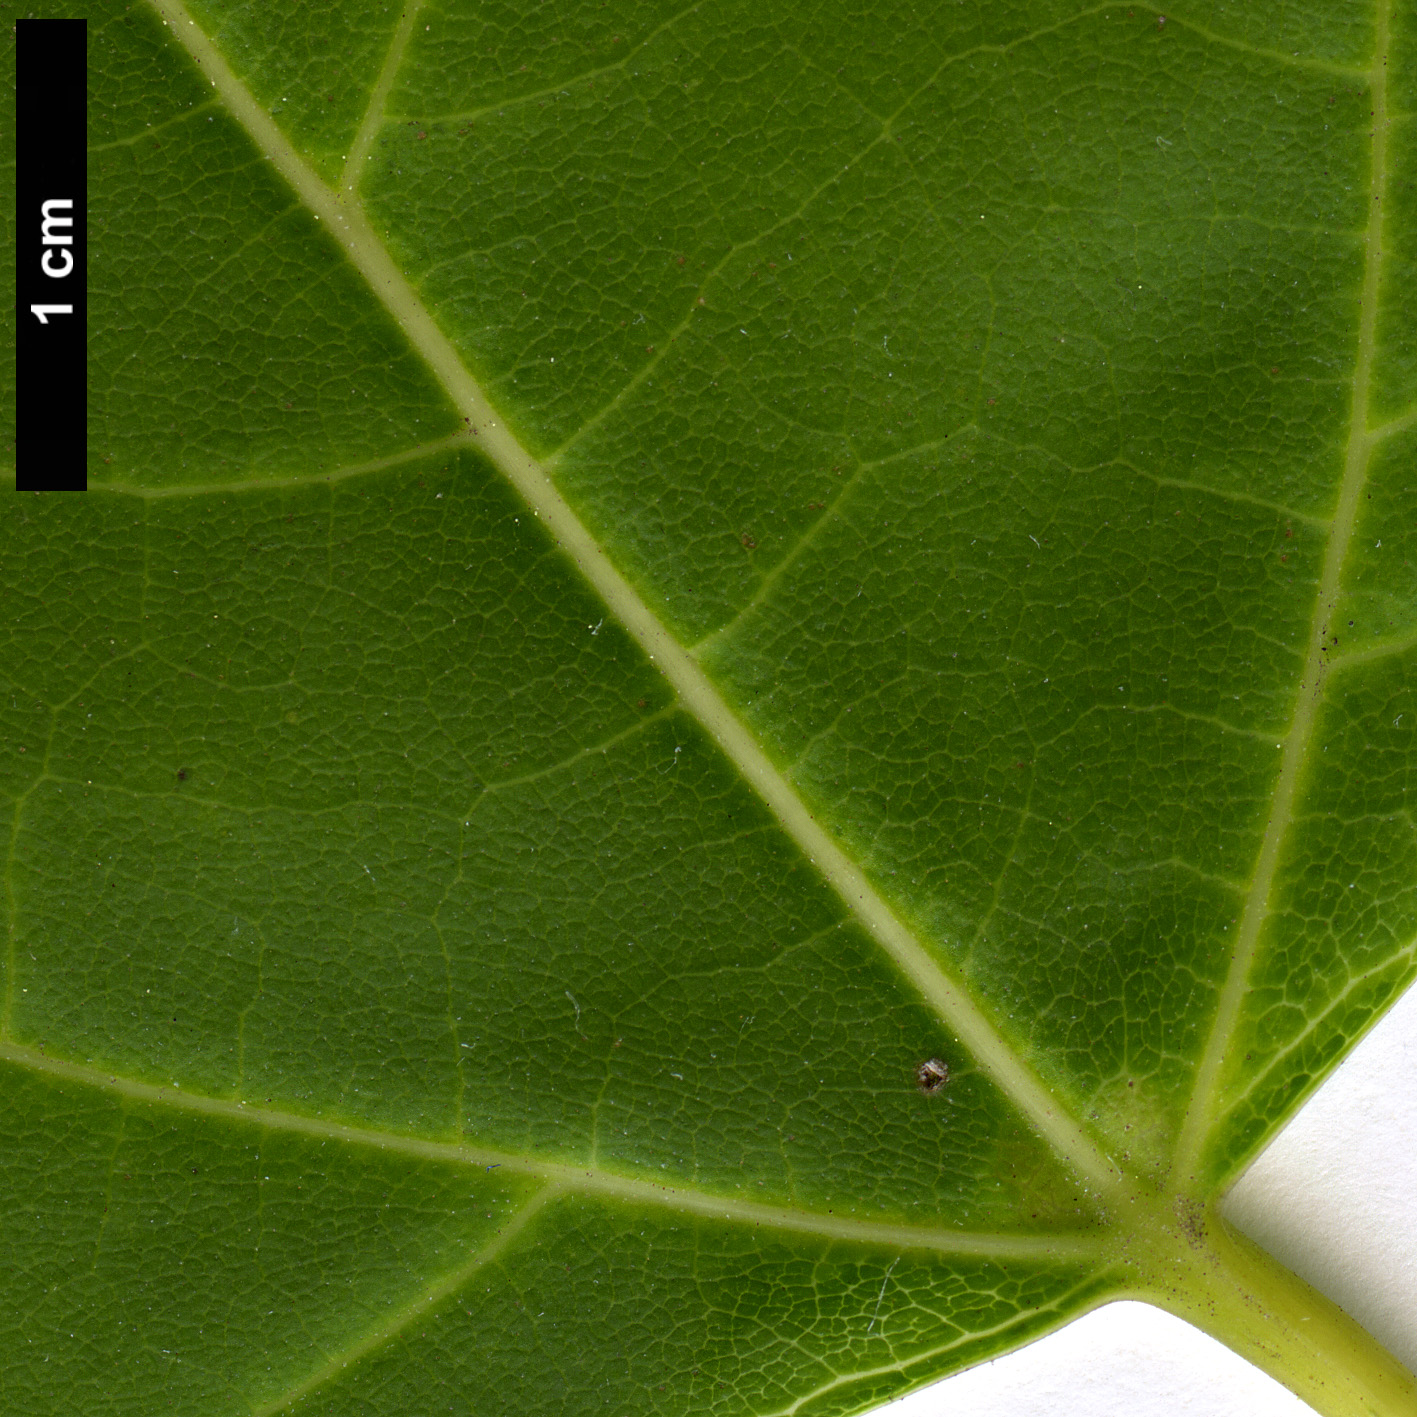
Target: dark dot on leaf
931, 1076
747, 541
182, 774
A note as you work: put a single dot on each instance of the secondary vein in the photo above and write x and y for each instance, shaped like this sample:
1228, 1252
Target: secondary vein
349, 225
565, 1176
378, 100
451, 443
434, 1295
1310, 692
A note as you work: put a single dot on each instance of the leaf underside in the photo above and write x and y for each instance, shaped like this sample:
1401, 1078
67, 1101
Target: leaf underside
452, 966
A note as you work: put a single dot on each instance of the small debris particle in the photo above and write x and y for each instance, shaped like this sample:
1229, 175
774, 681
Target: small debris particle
931, 1076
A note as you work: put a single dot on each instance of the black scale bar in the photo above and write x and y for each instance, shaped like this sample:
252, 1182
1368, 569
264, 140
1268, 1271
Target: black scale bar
51, 208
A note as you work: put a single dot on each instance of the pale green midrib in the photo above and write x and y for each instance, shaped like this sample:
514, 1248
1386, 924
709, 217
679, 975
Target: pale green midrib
349, 225
430, 1298
373, 118
565, 1176
1201, 1109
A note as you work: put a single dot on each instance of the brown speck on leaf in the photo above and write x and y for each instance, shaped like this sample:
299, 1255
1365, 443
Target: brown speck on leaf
747, 541
182, 774
931, 1076
1161, 22
639, 703
1190, 1215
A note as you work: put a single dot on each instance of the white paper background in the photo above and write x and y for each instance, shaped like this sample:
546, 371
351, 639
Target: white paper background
1334, 1197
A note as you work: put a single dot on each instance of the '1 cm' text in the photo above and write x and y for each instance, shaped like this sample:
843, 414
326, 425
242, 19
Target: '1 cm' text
56, 269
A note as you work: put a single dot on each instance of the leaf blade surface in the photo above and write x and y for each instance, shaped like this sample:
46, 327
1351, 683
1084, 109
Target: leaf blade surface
806, 559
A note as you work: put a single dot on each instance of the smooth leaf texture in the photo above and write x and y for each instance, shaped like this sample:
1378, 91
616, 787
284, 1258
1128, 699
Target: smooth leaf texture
648, 570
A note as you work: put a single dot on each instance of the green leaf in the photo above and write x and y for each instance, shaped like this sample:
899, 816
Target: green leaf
648, 572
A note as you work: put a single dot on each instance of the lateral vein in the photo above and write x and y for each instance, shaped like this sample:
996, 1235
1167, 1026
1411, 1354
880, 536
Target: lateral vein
566, 1176
1310, 691
373, 118
398, 1323
351, 227
451, 443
